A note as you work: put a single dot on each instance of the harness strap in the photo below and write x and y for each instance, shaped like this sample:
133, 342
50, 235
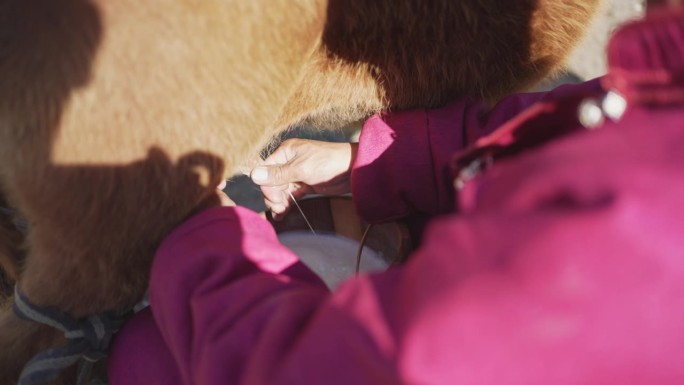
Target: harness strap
87, 341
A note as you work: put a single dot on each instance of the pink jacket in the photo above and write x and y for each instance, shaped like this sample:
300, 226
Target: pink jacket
559, 257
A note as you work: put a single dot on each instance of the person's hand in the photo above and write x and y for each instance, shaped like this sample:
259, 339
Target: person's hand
301, 167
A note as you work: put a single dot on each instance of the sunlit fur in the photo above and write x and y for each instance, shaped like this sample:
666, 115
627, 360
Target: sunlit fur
118, 117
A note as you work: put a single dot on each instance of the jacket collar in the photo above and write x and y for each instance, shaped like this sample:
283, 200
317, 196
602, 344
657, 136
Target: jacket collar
646, 59
645, 66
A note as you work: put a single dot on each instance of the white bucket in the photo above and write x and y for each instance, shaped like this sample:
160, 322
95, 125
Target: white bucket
331, 257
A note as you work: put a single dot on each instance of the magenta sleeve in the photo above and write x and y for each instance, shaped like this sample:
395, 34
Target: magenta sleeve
403, 161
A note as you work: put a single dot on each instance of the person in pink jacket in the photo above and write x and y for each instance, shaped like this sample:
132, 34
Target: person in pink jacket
555, 255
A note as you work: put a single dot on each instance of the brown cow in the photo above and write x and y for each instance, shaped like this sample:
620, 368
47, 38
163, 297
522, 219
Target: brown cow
117, 117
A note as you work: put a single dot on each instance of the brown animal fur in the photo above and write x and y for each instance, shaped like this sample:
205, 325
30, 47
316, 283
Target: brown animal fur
118, 117
10, 255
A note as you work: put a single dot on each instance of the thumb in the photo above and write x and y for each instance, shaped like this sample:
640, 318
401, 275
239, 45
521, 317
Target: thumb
272, 175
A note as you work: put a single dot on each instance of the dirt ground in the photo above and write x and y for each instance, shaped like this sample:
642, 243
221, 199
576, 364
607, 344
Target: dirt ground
588, 60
